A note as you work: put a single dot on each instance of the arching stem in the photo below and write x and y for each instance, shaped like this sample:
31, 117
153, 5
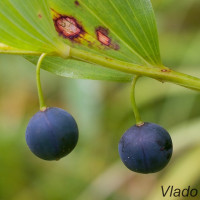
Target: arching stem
161, 74
40, 94
139, 122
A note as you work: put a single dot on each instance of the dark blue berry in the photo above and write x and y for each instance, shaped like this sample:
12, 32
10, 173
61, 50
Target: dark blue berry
145, 149
52, 134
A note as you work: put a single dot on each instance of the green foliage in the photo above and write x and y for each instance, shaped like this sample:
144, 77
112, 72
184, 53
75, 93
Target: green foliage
28, 26
76, 69
91, 35
130, 25
130, 30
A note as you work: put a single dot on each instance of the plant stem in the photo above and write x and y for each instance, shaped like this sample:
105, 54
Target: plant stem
161, 74
16, 52
138, 120
40, 94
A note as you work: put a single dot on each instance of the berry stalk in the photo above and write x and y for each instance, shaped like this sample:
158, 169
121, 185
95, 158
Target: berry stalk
138, 120
40, 93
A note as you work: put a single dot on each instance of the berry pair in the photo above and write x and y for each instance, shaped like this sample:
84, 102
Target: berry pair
52, 133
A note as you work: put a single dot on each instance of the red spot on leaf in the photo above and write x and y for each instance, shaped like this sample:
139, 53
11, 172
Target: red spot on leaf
77, 3
68, 27
102, 36
40, 16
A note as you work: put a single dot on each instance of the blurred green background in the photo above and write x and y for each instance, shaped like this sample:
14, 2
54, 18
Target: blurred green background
93, 171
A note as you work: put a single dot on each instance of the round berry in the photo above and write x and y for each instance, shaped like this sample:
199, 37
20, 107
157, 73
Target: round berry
145, 149
52, 134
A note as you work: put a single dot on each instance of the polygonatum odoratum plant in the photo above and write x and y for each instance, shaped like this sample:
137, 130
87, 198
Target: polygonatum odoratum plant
114, 40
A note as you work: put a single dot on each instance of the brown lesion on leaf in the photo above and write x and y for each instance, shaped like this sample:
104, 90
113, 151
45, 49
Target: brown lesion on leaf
102, 36
40, 15
165, 70
77, 3
70, 28
109, 59
67, 26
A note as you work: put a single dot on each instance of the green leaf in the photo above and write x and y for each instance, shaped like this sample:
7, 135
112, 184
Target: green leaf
121, 29
27, 25
76, 69
114, 29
